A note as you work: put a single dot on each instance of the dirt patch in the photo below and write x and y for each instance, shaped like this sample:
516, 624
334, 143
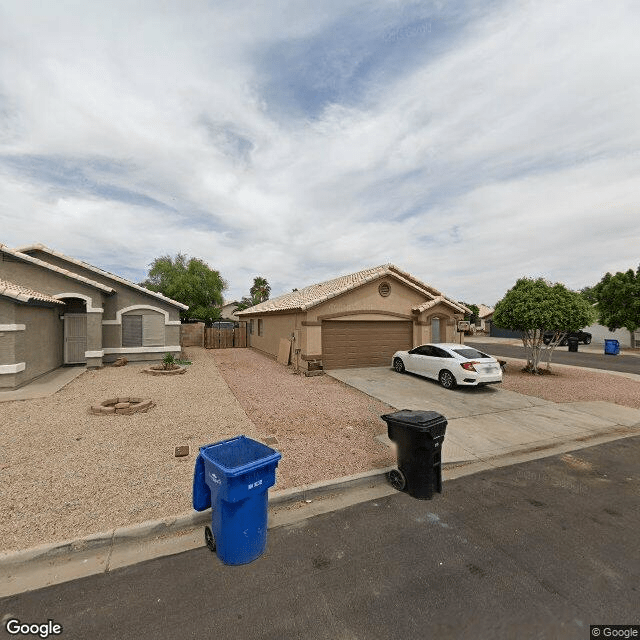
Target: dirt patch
325, 429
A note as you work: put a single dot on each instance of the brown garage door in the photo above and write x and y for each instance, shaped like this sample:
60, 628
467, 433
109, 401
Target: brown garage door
363, 344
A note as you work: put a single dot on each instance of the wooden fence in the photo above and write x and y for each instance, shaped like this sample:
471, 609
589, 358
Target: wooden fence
225, 337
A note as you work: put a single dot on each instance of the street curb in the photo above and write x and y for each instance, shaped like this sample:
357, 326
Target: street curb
165, 527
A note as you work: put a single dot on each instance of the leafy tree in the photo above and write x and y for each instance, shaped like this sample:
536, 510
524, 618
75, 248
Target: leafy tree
618, 300
259, 292
190, 281
536, 306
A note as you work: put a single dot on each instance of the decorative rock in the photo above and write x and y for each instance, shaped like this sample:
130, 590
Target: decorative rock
124, 399
110, 401
182, 451
120, 362
122, 404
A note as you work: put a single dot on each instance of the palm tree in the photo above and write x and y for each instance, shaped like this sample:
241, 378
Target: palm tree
260, 290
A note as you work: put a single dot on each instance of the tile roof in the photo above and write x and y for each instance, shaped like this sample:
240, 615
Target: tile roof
23, 294
315, 294
437, 300
65, 272
106, 274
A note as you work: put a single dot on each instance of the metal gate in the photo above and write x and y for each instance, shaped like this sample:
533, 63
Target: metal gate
75, 338
224, 335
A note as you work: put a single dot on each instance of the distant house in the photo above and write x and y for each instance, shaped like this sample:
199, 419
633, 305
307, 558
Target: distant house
228, 311
356, 320
57, 310
484, 318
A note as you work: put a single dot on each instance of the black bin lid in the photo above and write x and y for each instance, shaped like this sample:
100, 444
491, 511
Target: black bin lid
417, 420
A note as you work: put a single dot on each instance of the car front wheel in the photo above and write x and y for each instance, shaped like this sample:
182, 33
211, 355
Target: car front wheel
398, 365
447, 379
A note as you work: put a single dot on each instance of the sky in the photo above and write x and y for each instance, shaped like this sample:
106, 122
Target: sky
470, 143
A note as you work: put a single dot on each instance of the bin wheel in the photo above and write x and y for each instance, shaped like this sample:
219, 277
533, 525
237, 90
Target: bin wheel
209, 539
397, 479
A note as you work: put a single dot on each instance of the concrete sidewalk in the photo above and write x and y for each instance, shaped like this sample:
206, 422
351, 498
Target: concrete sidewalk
45, 385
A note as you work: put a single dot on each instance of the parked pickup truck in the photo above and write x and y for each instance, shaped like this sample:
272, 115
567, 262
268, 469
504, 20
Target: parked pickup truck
583, 336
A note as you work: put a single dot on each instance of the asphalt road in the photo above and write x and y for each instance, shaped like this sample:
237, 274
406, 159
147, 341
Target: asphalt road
536, 550
626, 364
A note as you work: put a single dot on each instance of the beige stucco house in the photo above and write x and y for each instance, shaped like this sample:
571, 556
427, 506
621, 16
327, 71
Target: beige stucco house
357, 320
57, 310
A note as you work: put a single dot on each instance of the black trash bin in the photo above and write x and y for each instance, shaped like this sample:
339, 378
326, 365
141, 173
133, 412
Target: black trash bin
573, 344
418, 436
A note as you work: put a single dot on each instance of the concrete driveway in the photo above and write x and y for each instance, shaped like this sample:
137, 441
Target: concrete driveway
489, 422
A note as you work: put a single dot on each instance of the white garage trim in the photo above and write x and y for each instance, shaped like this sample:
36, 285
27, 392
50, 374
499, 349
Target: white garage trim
12, 327
119, 313
12, 368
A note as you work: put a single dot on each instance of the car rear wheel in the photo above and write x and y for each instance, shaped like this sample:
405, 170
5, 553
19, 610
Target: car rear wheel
447, 379
587, 340
398, 365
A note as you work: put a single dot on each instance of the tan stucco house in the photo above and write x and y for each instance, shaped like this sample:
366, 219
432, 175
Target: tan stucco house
356, 320
57, 310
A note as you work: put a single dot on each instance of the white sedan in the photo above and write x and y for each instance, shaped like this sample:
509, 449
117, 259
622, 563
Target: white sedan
450, 363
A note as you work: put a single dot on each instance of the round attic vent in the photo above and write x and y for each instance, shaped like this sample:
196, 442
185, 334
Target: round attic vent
384, 289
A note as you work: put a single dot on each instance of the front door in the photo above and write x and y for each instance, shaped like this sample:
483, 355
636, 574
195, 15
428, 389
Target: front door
435, 330
75, 338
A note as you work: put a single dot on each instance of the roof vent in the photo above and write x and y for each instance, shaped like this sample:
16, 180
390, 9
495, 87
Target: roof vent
384, 289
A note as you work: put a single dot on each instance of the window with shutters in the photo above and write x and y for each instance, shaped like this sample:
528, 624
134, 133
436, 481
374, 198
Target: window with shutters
131, 331
143, 330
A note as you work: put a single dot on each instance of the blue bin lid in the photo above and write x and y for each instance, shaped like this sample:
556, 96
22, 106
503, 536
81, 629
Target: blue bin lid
239, 455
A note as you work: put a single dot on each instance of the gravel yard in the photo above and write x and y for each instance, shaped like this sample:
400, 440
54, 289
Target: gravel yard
572, 384
65, 473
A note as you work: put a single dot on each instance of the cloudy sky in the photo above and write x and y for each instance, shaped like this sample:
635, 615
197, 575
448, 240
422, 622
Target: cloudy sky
469, 143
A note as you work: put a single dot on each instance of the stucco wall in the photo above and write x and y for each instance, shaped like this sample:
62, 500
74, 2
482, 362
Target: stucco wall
600, 333
45, 281
124, 297
367, 299
275, 327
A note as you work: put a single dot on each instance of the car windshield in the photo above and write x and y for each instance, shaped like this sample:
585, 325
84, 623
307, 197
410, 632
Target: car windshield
470, 353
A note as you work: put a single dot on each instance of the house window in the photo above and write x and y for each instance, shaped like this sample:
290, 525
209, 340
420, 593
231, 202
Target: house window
251, 327
260, 327
143, 330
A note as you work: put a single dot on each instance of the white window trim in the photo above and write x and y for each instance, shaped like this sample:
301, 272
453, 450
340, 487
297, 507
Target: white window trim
12, 327
87, 299
12, 368
119, 313
169, 349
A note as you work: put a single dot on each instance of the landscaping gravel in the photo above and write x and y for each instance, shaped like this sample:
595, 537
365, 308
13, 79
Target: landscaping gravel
65, 473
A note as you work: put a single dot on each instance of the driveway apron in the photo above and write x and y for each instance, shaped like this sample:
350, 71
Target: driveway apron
489, 422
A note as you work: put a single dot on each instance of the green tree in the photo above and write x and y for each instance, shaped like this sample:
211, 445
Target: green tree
190, 281
536, 306
618, 300
259, 292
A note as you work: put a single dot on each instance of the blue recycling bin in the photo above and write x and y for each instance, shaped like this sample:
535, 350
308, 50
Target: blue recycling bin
233, 478
612, 347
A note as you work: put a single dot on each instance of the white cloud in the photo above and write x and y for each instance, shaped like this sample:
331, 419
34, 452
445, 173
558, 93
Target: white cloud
503, 146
